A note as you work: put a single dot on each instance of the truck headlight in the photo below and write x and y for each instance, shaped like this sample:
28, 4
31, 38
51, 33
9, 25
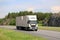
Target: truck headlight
37, 25
29, 25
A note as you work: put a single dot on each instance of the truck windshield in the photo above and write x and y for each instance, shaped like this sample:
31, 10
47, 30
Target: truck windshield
32, 22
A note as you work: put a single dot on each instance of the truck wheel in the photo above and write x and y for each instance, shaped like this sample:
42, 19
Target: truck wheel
35, 29
26, 28
17, 27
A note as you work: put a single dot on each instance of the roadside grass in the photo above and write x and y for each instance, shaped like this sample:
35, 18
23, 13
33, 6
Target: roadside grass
6, 34
49, 28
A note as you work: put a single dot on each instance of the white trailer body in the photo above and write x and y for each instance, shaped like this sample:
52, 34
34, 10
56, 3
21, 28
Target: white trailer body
27, 22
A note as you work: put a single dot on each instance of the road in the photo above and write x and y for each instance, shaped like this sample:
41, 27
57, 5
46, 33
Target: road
50, 35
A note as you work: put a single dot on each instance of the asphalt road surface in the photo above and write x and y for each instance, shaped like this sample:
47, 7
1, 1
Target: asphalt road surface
50, 35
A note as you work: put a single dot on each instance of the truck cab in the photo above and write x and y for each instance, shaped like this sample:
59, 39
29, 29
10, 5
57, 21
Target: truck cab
32, 21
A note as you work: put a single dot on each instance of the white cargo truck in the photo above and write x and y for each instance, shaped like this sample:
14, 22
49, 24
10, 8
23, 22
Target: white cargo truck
28, 22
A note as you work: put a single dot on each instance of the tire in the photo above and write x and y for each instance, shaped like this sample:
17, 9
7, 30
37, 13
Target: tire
35, 29
26, 28
17, 28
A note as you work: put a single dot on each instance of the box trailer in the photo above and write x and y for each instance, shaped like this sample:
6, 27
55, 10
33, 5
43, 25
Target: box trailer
28, 22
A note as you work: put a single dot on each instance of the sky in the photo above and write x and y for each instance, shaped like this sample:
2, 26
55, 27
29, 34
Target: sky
7, 6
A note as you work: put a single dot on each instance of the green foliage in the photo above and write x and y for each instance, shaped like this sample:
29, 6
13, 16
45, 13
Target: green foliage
47, 15
12, 22
1, 21
12, 16
40, 15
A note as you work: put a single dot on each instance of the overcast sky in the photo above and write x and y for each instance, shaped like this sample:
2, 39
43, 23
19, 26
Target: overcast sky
7, 6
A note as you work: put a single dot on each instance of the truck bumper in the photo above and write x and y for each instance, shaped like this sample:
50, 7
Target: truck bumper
33, 28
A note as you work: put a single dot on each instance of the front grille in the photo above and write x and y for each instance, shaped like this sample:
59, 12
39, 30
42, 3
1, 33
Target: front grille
33, 25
